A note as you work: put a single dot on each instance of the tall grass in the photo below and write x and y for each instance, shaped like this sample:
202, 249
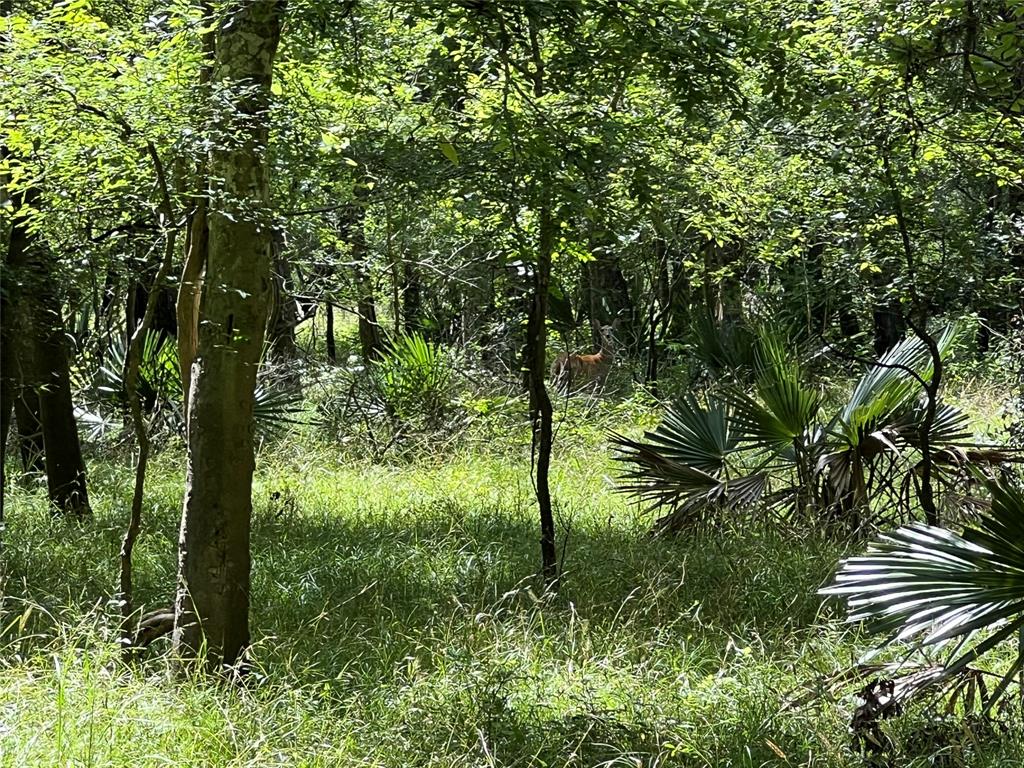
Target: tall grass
397, 622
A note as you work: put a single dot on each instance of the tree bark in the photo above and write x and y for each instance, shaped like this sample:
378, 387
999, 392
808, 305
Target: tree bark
888, 325
540, 402
212, 600
608, 289
197, 245
132, 361
412, 298
30, 431
165, 321
332, 349
284, 317
8, 385
65, 468
40, 358
371, 341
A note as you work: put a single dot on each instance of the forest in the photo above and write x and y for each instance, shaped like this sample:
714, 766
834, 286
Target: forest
512, 383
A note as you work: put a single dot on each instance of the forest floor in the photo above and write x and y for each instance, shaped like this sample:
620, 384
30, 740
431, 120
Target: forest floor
397, 622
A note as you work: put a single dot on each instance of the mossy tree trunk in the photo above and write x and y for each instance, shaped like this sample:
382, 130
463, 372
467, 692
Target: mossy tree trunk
212, 601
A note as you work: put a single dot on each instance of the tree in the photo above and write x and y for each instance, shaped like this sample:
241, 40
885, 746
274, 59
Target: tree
37, 358
212, 600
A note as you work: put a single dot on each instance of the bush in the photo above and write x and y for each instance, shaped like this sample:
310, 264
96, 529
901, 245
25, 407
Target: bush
414, 380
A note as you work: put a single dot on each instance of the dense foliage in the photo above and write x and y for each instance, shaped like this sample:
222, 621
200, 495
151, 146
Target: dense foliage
764, 256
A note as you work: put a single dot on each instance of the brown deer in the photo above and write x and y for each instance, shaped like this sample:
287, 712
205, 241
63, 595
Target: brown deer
568, 371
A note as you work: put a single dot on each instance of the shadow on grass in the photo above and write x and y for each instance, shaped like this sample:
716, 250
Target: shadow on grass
388, 582
378, 581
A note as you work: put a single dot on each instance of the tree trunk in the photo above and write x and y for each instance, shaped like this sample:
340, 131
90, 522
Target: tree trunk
212, 601
608, 290
540, 403
130, 373
332, 349
165, 321
284, 317
197, 246
65, 469
412, 298
849, 325
30, 432
371, 342
6, 408
8, 373
888, 325
41, 361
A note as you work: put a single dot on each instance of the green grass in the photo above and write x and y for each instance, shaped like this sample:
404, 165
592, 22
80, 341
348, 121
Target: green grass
397, 622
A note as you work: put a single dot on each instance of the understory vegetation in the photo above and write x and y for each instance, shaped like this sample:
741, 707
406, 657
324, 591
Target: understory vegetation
523, 383
400, 623
397, 627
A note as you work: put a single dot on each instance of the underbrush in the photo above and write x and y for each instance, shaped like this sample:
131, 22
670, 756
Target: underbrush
397, 621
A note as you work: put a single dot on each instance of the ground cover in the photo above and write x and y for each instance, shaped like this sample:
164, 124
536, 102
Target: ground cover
397, 622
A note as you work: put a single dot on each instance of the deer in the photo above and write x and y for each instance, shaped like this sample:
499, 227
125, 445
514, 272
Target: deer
570, 370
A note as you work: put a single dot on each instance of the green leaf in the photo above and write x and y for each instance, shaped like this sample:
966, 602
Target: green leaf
930, 585
449, 152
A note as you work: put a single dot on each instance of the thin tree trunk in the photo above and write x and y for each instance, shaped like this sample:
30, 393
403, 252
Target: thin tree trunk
540, 402
18, 349
165, 321
8, 386
919, 326
197, 245
6, 411
8, 372
888, 325
608, 292
30, 431
332, 350
371, 343
412, 298
284, 317
371, 340
132, 360
189, 292
212, 601
65, 468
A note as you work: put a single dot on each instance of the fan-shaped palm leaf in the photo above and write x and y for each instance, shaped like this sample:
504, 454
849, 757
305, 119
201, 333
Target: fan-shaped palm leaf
784, 409
158, 370
933, 586
722, 347
275, 408
733, 493
683, 457
889, 386
949, 427
690, 434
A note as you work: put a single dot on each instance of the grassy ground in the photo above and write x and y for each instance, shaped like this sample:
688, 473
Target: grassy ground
396, 622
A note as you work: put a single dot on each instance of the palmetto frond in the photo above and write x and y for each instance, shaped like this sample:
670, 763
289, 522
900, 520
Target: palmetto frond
722, 347
682, 463
784, 409
889, 387
413, 376
274, 409
158, 370
932, 586
691, 435
848, 466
